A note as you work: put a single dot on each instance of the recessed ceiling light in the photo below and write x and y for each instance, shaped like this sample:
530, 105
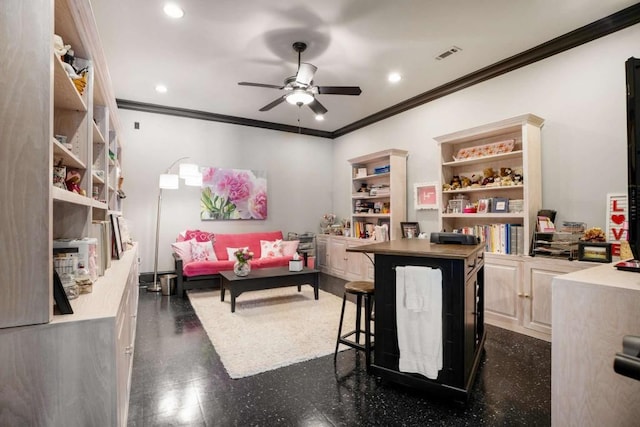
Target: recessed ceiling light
394, 77
319, 117
161, 89
173, 10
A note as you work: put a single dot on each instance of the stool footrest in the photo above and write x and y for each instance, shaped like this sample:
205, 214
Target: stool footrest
351, 343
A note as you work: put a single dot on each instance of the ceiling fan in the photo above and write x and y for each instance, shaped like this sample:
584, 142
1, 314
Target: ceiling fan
300, 90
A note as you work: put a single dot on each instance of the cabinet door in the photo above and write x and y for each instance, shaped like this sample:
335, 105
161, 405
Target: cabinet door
539, 274
502, 278
354, 265
322, 256
123, 355
338, 257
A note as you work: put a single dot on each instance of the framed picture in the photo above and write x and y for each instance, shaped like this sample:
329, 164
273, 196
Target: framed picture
484, 205
387, 222
594, 251
499, 205
410, 230
59, 295
426, 195
116, 250
233, 194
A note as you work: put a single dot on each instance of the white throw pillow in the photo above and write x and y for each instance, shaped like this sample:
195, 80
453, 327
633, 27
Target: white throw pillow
289, 247
270, 249
183, 250
202, 251
231, 252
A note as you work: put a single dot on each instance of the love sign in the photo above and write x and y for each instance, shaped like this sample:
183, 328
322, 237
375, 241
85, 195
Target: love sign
617, 216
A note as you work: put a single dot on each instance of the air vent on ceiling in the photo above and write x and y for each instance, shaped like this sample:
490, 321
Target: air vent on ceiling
449, 52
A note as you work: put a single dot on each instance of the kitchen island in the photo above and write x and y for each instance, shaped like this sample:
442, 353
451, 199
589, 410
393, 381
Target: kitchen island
463, 334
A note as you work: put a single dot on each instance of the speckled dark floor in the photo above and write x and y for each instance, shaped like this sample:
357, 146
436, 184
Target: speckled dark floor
178, 379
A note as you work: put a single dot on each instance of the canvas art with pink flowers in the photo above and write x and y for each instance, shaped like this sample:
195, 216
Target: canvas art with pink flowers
233, 194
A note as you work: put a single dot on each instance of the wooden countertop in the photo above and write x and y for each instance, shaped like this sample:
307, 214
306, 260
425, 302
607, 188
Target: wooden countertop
418, 247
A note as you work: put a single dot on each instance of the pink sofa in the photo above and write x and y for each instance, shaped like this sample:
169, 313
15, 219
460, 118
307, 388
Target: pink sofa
196, 274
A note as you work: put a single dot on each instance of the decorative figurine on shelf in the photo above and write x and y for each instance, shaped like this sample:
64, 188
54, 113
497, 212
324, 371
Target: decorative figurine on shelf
326, 222
476, 180
489, 176
455, 182
59, 48
73, 182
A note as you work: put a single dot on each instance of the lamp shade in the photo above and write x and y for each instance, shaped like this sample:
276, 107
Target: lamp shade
194, 181
169, 181
188, 169
299, 96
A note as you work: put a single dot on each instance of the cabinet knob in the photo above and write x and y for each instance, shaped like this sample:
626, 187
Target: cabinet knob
128, 350
527, 295
520, 294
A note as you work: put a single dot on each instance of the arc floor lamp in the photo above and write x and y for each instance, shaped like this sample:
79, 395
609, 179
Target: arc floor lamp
168, 181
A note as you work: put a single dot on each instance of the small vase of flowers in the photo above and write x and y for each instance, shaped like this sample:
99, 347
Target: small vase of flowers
242, 267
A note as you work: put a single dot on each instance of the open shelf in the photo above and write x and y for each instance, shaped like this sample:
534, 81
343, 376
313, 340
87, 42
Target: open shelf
68, 158
65, 94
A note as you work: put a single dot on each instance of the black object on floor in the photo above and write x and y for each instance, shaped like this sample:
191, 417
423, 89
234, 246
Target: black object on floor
178, 379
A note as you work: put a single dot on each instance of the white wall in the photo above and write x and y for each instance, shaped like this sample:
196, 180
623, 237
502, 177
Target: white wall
579, 93
298, 173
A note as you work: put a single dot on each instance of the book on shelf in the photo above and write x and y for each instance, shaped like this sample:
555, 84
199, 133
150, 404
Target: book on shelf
498, 238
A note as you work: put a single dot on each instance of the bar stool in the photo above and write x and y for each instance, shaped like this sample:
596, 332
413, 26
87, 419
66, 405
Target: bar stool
363, 290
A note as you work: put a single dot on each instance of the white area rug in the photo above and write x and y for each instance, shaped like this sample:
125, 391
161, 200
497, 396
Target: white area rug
271, 328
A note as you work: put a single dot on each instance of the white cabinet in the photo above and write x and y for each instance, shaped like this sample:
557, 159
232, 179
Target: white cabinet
502, 279
338, 257
378, 192
518, 291
511, 149
334, 259
75, 370
538, 275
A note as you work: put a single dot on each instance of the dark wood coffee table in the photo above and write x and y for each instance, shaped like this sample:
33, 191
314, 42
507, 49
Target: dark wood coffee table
266, 278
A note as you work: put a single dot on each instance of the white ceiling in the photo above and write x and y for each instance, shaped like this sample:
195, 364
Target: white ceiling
202, 57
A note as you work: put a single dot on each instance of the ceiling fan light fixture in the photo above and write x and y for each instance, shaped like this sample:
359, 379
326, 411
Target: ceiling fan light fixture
319, 117
299, 96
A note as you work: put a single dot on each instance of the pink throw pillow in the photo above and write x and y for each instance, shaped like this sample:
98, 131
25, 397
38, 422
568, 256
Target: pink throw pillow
199, 236
202, 251
270, 249
183, 250
289, 247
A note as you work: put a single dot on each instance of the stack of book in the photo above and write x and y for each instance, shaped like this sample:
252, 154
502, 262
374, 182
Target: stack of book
101, 230
499, 238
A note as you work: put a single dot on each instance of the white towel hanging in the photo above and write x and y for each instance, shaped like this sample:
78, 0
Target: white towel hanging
419, 319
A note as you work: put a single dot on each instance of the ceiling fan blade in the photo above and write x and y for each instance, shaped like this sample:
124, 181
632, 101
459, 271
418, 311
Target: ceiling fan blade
272, 104
339, 90
306, 73
317, 108
260, 85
